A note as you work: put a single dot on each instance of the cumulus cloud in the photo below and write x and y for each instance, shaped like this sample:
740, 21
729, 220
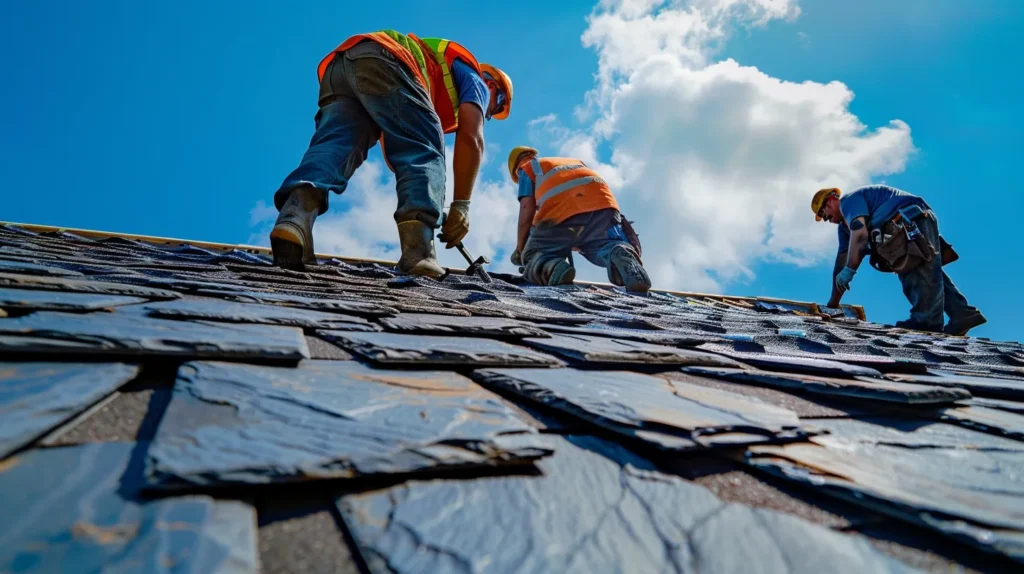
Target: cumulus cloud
714, 160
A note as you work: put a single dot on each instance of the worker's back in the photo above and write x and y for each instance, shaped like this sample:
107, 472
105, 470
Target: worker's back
564, 187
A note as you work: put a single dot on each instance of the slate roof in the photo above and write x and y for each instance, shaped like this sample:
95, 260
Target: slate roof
169, 405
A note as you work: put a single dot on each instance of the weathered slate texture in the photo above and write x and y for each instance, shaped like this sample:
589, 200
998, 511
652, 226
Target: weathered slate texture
14, 266
654, 336
28, 299
82, 286
429, 324
985, 419
982, 386
77, 509
862, 388
760, 348
132, 335
593, 349
36, 397
668, 414
393, 348
348, 306
231, 312
962, 483
595, 508
231, 423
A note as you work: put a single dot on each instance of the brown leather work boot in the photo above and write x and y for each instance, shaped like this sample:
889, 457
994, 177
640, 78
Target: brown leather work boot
292, 237
417, 240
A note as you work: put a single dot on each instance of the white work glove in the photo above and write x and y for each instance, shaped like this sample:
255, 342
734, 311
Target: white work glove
456, 224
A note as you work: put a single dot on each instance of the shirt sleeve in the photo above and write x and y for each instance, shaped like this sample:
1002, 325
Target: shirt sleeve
525, 185
470, 86
854, 206
844, 238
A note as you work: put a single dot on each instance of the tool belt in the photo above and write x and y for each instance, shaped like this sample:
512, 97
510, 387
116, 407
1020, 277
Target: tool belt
898, 246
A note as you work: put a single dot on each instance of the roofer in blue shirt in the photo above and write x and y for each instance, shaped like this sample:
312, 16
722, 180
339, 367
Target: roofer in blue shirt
902, 232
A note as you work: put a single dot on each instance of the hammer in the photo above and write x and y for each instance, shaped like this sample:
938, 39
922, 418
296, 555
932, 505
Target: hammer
475, 267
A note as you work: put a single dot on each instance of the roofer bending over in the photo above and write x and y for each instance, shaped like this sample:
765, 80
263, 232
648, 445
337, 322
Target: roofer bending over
901, 233
565, 206
406, 92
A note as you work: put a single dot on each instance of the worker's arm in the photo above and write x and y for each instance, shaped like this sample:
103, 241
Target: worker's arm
469, 149
527, 209
858, 241
837, 294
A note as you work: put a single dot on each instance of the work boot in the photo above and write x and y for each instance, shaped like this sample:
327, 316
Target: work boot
625, 270
964, 324
291, 240
417, 240
563, 273
912, 325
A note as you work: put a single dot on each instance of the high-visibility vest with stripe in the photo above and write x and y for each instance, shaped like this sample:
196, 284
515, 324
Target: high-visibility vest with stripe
429, 59
564, 187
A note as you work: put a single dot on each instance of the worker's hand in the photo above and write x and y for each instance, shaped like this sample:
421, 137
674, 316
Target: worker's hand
517, 258
456, 224
844, 278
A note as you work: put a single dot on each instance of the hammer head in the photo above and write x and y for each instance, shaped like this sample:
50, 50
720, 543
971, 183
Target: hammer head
477, 268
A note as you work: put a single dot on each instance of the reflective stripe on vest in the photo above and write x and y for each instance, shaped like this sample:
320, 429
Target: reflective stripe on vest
566, 174
438, 47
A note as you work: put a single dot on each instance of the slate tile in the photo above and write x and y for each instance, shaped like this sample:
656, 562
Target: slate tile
36, 397
627, 518
11, 266
79, 509
667, 414
82, 286
977, 385
803, 405
346, 306
591, 349
28, 299
227, 311
860, 388
427, 324
653, 336
234, 423
984, 419
1008, 406
431, 351
130, 335
961, 483
805, 365
752, 352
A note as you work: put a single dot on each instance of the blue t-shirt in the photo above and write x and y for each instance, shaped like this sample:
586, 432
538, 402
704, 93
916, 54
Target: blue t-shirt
877, 204
470, 86
525, 185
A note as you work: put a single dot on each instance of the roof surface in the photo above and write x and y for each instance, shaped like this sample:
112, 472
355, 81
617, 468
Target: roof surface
185, 406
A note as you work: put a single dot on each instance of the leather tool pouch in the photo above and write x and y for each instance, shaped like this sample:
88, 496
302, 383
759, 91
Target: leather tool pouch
899, 254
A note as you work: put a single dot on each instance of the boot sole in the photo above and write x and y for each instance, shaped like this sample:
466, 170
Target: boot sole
634, 276
962, 331
287, 247
566, 278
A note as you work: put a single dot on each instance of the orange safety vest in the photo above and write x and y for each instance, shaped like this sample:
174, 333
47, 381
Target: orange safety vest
564, 187
429, 59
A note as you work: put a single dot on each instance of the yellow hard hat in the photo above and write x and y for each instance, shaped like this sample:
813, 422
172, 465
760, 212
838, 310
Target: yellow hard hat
819, 199
506, 86
512, 157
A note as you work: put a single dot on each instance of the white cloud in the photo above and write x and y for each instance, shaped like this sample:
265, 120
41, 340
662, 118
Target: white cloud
715, 161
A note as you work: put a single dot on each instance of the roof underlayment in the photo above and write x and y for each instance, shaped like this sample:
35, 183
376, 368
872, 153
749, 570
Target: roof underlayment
171, 405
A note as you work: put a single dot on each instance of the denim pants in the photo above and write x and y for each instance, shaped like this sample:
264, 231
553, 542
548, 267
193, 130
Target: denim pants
928, 288
593, 234
367, 92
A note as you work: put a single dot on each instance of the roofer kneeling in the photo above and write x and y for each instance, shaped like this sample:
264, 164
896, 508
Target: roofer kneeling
406, 92
565, 206
901, 233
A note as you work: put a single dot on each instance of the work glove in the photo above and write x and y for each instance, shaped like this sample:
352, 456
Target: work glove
517, 258
456, 224
844, 277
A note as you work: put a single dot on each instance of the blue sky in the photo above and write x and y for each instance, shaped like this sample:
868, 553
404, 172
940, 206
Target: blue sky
174, 119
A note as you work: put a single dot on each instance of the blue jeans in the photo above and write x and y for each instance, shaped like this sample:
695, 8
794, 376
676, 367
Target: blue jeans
928, 288
593, 234
367, 92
